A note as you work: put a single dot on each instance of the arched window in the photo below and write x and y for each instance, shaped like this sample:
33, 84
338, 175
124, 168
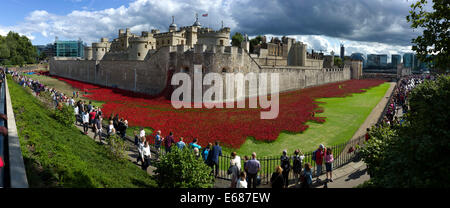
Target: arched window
139, 54
224, 70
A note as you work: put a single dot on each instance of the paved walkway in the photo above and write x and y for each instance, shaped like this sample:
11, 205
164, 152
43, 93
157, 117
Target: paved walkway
355, 173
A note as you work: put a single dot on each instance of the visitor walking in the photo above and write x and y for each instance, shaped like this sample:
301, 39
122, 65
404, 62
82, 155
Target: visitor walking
213, 158
307, 176
286, 166
318, 158
98, 128
253, 167
181, 144
297, 160
111, 129
234, 171
277, 179
328, 163
168, 142
242, 182
146, 156
85, 122
205, 152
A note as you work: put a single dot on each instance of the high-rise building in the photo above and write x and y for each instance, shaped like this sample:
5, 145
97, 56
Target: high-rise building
342, 52
377, 60
383, 60
395, 60
69, 48
408, 60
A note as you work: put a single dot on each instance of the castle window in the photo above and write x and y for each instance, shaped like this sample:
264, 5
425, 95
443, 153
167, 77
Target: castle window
103, 49
139, 54
182, 42
145, 46
221, 42
96, 49
224, 70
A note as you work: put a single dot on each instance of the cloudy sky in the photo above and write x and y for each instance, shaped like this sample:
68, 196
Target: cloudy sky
366, 26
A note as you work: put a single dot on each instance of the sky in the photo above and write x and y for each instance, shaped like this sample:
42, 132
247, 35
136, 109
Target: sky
365, 26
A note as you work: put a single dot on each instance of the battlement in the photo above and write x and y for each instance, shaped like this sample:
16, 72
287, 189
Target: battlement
208, 32
139, 39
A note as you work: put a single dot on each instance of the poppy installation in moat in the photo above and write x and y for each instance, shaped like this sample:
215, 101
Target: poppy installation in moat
229, 126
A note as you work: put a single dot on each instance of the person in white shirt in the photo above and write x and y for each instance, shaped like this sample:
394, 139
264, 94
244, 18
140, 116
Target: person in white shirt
111, 129
146, 154
85, 122
140, 148
142, 133
235, 159
242, 182
76, 112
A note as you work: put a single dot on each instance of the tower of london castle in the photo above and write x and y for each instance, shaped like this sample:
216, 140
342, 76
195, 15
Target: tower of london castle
143, 63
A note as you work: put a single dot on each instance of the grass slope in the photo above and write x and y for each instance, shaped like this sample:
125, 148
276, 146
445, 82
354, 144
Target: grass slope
57, 156
344, 116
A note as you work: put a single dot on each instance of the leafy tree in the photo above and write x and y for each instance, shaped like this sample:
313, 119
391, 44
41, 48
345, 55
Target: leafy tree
182, 169
237, 39
16, 50
254, 42
413, 154
338, 62
433, 45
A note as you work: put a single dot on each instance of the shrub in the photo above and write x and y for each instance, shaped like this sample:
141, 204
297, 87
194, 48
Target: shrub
117, 147
65, 115
182, 169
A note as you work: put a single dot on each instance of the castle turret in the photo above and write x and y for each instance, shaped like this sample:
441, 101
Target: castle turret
100, 49
173, 26
88, 53
139, 47
246, 44
210, 37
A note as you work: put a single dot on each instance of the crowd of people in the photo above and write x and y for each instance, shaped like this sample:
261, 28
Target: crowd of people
91, 117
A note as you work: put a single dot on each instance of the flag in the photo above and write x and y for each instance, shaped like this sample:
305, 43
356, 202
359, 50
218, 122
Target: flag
205, 15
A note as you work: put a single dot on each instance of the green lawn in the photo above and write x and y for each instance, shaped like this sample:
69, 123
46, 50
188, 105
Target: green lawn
59, 156
344, 116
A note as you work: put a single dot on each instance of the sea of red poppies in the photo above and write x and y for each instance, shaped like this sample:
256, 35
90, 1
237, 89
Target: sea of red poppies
229, 126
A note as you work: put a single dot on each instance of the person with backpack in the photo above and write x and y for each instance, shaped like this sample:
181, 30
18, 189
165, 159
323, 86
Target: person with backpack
286, 166
297, 160
318, 156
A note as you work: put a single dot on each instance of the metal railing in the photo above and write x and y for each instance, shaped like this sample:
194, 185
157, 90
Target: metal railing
341, 154
3, 141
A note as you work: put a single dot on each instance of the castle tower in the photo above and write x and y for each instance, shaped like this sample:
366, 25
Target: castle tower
100, 49
88, 53
139, 47
173, 26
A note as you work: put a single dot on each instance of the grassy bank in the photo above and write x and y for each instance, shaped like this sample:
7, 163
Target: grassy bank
57, 156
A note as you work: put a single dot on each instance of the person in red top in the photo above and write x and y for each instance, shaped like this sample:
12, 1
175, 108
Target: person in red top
168, 142
92, 117
367, 134
320, 153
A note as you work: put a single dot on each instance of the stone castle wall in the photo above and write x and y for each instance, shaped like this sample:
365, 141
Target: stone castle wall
149, 76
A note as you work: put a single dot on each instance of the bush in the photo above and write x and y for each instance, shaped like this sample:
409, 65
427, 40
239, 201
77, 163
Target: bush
118, 147
65, 115
182, 169
413, 154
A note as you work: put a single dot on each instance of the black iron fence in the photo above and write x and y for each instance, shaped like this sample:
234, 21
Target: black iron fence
343, 154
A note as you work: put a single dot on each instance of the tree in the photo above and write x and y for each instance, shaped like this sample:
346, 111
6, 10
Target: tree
433, 45
413, 154
237, 39
16, 50
254, 42
182, 169
338, 62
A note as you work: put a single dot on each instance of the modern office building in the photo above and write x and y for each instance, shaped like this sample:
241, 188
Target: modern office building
69, 48
377, 61
408, 60
395, 60
360, 57
48, 49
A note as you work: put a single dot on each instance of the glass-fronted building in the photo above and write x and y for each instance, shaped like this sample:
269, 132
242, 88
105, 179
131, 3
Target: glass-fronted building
408, 60
69, 48
395, 60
